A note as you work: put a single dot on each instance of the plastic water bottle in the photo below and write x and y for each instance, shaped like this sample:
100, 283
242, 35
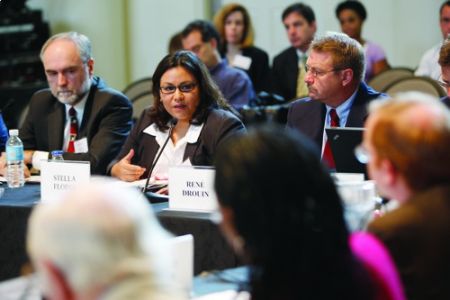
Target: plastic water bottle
14, 160
57, 155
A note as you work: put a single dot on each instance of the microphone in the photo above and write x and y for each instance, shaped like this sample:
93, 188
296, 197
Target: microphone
172, 123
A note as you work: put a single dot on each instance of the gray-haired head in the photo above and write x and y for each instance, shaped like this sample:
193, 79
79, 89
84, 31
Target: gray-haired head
81, 41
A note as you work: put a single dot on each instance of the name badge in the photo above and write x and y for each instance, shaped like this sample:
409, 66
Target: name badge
81, 145
192, 188
59, 176
242, 62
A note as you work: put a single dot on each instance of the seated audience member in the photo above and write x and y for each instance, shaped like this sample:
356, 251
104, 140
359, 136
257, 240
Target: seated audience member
175, 43
236, 31
444, 62
288, 68
429, 62
289, 229
78, 113
351, 15
337, 94
201, 38
407, 146
101, 241
184, 90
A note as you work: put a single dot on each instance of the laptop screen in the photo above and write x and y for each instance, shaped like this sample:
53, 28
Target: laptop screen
343, 141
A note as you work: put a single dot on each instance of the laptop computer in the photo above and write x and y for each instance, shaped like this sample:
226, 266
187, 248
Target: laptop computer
343, 141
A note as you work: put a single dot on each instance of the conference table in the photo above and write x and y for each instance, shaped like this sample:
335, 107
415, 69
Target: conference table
211, 252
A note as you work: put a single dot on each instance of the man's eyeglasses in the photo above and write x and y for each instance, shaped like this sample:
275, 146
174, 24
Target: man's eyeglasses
317, 73
184, 88
362, 155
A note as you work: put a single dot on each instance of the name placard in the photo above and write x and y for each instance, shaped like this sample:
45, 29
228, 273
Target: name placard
192, 188
59, 176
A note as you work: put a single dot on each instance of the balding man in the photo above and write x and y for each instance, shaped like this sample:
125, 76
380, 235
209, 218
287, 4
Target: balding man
101, 241
407, 147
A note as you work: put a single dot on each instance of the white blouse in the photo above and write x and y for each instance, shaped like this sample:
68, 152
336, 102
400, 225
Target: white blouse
173, 154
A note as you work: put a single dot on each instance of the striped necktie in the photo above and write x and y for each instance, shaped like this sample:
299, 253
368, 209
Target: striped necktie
73, 130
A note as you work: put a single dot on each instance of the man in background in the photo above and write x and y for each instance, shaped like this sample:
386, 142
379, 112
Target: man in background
203, 39
406, 145
337, 94
444, 62
78, 113
288, 68
429, 63
101, 241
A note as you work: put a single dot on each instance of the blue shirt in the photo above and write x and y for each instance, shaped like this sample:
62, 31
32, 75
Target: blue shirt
342, 111
234, 84
3, 133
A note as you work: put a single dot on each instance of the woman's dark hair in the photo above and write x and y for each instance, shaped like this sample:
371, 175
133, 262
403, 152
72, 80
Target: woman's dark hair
356, 6
210, 95
287, 210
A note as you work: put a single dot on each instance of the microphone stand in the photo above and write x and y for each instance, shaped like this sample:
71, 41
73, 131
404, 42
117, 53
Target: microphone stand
173, 123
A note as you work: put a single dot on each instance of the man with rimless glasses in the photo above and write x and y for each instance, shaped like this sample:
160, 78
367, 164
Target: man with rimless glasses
407, 150
337, 94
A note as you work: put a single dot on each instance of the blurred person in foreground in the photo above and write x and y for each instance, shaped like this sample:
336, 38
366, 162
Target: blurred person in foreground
407, 148
183, 90
101, 241
235, 28
289, 229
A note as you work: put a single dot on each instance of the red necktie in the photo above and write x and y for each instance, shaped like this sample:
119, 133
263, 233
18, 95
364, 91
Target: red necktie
73, 130
327, 154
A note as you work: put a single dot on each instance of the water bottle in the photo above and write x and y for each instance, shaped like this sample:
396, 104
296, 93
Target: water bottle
14, 160
57, 155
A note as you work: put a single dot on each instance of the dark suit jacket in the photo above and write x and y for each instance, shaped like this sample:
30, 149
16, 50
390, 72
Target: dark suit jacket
285, 73
308, 116
259, 70
446, 101
219, 126
417, 235
106, 124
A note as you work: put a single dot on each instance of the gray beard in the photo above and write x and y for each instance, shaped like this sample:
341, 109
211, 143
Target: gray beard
74, 98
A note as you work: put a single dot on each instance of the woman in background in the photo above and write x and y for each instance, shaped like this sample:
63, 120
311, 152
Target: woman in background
351, 15
236, 32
